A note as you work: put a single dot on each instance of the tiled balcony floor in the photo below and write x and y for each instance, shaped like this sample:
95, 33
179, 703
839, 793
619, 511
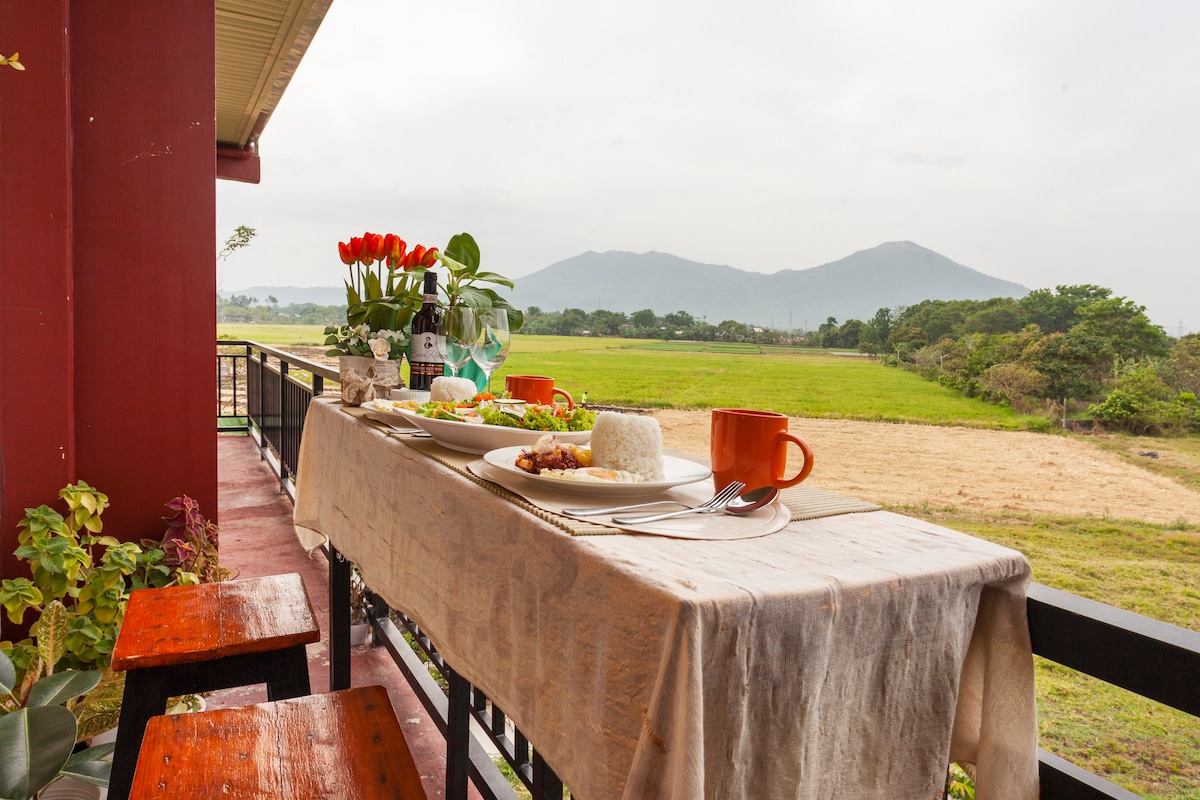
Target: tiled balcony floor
256, 538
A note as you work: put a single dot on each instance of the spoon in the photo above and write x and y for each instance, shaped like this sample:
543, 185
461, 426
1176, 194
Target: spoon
752, 500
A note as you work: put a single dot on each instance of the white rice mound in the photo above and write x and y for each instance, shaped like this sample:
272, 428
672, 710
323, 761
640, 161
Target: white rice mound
628, 442
445, 389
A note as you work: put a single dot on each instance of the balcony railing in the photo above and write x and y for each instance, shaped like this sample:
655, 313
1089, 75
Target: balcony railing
266, 392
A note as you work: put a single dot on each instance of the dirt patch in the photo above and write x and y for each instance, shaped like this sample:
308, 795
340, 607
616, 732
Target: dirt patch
968, 469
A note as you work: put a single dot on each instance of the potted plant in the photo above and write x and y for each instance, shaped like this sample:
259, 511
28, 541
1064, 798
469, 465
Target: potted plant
189, 546
462, 261
79, 583
383, 292
39, 728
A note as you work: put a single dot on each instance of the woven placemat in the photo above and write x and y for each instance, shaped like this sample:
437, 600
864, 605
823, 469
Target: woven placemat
809, 502
805, 502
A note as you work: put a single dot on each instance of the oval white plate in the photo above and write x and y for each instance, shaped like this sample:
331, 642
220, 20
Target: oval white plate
474, 437
678, 471
388, 416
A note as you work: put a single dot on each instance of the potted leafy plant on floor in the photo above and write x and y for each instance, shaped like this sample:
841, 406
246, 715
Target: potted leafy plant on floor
79, 583
39, 722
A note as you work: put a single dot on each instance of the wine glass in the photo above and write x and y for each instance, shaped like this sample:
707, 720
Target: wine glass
456, 331
490, 347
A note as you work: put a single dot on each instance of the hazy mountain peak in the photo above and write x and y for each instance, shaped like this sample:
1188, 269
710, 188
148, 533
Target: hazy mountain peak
855, 287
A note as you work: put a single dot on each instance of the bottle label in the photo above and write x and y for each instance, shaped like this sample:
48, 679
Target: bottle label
423, 350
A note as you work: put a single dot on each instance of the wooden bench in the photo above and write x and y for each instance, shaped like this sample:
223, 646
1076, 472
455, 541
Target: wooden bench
191, 639
346, 745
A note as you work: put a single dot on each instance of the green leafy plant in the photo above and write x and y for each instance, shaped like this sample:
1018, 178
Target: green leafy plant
40, 725
79, 584
75, 568
461, 259
959, 785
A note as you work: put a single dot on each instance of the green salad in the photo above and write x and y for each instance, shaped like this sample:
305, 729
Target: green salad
541, 418
537, 418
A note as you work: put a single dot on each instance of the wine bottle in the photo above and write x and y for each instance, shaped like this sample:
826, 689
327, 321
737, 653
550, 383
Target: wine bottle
424, 363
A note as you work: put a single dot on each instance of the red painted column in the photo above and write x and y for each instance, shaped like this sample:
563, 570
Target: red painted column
107, 269
144, 201
36, 345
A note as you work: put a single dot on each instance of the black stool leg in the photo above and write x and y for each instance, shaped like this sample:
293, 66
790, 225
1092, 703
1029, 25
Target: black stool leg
289, 674
146, 695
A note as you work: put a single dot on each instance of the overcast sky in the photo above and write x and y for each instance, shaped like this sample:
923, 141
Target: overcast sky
1043, 143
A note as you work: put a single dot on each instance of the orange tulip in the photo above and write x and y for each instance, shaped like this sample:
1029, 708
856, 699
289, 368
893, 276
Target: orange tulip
395, 248
372, 248
345, 254
414, 257
430, 257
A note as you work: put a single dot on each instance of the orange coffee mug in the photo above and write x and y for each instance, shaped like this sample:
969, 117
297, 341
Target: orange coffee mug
535, 389
751, 446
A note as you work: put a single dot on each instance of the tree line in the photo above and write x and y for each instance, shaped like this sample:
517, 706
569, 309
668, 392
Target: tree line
1074, 350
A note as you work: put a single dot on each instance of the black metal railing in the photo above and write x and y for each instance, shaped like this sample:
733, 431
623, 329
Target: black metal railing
1145, 656
264, 390
451, 703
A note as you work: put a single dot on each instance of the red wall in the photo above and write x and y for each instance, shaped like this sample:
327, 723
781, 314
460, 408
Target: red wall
107, 268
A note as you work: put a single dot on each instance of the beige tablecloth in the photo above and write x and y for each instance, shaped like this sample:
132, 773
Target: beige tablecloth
848, 656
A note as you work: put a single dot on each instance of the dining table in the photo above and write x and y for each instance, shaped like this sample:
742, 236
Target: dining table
834, 649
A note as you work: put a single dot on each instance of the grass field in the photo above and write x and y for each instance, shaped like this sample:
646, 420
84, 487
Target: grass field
1150, 569
1153, 570
648, 373
274, 335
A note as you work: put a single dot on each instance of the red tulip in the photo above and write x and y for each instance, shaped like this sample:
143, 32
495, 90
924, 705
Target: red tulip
395, 248
430, 257
345, 254
414, 257
372, 248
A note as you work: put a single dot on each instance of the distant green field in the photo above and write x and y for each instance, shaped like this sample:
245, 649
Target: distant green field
274, 335
797, 382
649, 373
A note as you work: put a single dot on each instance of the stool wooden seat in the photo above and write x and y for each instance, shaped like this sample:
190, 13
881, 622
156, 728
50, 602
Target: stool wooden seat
346, 745
190, 639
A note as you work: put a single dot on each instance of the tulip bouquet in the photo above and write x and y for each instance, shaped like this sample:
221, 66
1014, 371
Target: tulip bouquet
383, 293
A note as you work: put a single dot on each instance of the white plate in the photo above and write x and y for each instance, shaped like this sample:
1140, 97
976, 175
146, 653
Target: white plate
678, 471
388, 416
478, 438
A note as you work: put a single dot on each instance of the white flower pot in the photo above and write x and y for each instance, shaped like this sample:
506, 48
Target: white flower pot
360, 634
70, 789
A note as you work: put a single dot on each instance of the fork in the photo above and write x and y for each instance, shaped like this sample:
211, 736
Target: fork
718, 502
587, 512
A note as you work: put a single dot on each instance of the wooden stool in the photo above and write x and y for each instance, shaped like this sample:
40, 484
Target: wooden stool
345, 745
191, 639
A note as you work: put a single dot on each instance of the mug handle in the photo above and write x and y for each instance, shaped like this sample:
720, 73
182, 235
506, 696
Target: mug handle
570, 401
784, 483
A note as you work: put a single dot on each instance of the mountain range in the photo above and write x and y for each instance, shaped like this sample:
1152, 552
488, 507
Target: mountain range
855, 287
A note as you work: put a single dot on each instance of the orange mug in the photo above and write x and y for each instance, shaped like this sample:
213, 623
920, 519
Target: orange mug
751, 446
535, 389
